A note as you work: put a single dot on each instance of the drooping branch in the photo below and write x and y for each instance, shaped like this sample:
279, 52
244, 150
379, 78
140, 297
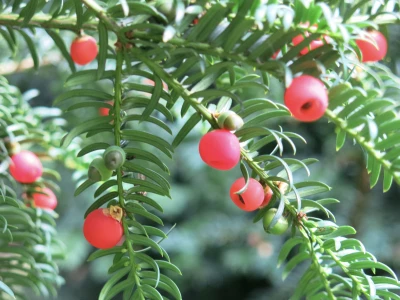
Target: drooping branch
46, 21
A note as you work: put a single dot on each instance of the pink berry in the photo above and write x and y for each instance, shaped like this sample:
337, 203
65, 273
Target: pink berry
220, 149
371, 52
306, 98
251, 199
48, 201
268, 193
84, 50
313, 44
25, 167
101, 230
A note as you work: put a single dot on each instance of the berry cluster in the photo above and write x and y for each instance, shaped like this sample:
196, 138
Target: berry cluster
220, 149
372, 44
26, 168
306, 98
102, 227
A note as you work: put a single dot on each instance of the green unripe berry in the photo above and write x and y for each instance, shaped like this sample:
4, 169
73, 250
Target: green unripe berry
230, 121
114, 157
98, 170
280, 227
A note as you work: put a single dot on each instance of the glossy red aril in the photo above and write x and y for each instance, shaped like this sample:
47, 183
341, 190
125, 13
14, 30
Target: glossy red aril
251, 199
25, 167
371, 52
104, 111
220, 149
306, 98
83, 50
48, 201
267, 196
101, 230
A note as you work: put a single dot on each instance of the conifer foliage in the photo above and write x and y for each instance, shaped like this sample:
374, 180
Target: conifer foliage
190, 59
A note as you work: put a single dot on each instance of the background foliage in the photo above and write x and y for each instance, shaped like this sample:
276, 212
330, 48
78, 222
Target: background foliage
220, 254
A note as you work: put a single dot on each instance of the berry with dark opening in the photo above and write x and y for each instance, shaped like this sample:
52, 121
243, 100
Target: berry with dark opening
220, 149
280, 227
98, 170
48, 200
114, 157
251, 199
83, 50
371, 52
25, 167
268, 193
101, 230
306, 98
229, 120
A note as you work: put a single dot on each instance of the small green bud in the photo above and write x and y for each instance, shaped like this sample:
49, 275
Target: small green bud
230, 121
114, 157
98, 171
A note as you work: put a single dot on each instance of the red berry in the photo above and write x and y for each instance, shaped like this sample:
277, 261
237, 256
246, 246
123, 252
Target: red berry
101, 230
83, 50
25, 167
48, 201
252, 197
267, 196
104, 111
220, 149
313, 45
371, 52
306, 98
275, 55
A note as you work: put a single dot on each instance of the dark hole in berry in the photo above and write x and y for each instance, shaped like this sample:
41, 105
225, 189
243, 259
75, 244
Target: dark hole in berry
241, 199
306, 105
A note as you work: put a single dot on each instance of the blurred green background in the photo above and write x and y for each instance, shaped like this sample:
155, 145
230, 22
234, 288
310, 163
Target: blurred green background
221, 253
